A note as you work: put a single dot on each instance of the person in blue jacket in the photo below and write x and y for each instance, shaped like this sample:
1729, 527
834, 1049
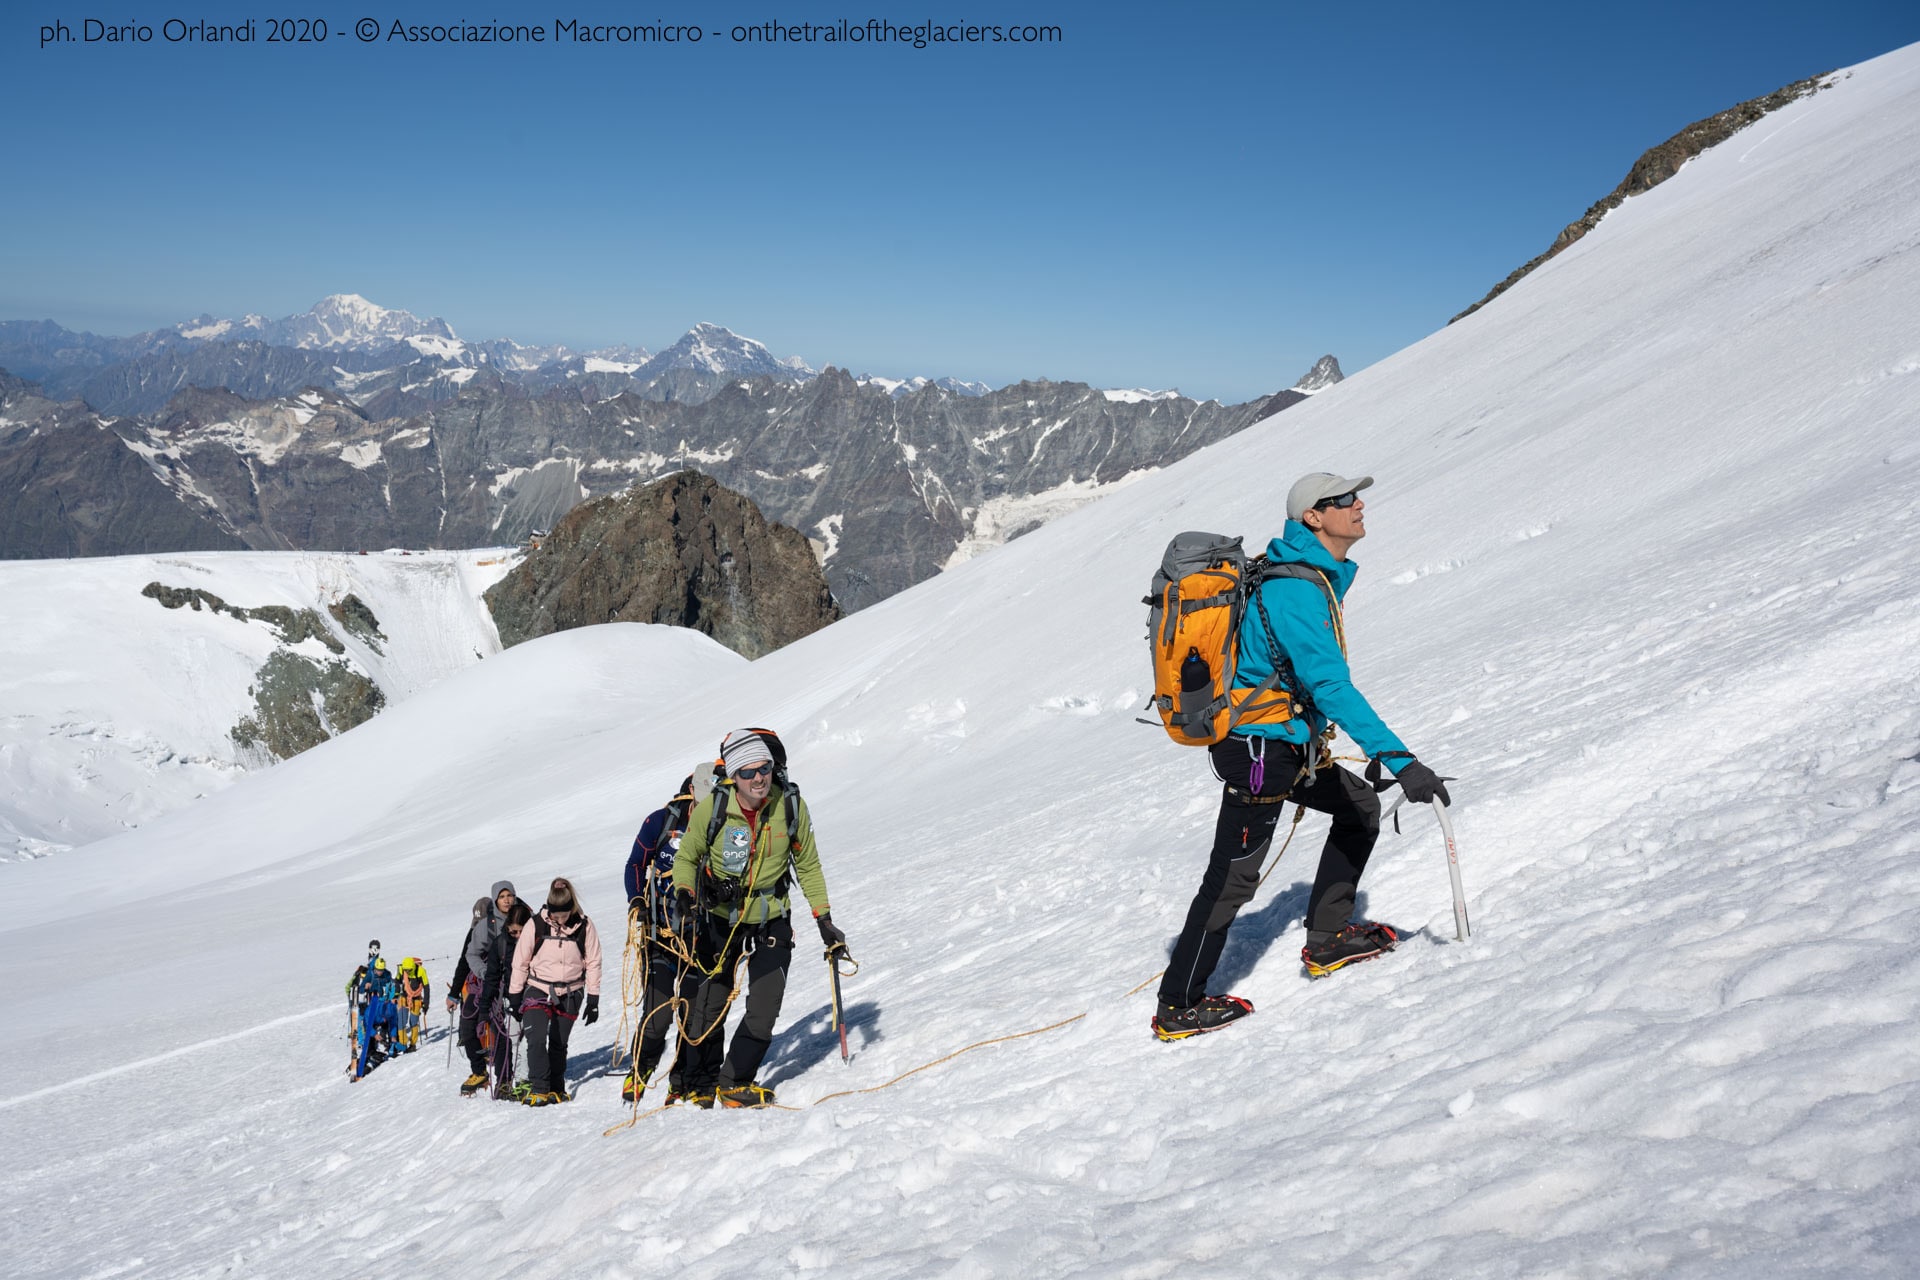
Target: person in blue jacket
649, 880
1293, 624
379, 1023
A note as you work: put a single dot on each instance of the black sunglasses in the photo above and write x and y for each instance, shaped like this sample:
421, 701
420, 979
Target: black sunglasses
750, 775
1344, 501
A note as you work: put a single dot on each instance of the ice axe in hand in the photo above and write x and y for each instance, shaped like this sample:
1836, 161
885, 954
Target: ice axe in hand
1461, 930
836, 952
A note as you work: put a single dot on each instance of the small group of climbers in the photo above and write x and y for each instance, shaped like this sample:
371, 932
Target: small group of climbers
709, 877
540, 970
708, 886
383, 1009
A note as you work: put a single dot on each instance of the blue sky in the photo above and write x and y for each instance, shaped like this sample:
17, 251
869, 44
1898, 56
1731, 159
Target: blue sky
1203, 196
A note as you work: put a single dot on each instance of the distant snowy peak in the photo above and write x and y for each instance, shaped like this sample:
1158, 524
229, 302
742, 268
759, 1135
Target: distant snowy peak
1325, 372
339, 322
899, 387
205, 328
712, 349
1139, 396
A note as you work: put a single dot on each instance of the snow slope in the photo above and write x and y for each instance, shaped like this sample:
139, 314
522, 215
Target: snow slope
1641, 571
114, 709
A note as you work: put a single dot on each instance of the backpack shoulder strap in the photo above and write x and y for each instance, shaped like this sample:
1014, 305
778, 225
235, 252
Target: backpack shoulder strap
718, 818
1306, 572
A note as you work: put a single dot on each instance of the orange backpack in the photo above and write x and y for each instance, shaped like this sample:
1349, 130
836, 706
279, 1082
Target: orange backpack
1199, 600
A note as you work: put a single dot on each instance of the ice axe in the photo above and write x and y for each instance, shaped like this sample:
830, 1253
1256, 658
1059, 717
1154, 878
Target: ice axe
833, 955
1461, 931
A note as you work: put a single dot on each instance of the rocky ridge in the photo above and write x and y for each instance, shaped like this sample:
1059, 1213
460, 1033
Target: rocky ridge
1659, 163
681, 551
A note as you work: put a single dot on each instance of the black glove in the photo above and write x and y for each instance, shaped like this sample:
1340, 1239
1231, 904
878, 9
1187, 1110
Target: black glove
593, 1010
682, 915
830, 932
1420, 784
513, 1002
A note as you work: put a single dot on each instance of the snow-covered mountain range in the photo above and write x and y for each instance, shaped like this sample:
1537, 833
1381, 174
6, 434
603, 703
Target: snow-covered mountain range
1640, 572
382, 429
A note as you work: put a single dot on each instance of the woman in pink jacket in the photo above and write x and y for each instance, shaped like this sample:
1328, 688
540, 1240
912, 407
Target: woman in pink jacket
556, 979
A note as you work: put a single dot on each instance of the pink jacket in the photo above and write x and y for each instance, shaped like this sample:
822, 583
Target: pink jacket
558, 962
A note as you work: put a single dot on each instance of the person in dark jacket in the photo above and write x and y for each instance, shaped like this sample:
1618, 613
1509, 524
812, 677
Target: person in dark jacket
493, 997
1294, 626
469, 977
649, 879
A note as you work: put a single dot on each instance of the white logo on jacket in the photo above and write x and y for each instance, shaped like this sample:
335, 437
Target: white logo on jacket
734, 850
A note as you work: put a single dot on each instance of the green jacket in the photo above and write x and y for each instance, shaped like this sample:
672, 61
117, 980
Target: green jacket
760, 843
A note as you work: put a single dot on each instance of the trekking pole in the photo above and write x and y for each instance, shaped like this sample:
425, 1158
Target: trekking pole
453, 1032
1460, 929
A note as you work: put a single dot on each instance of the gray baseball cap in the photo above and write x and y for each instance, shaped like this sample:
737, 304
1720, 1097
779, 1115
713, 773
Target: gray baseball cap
1318, 486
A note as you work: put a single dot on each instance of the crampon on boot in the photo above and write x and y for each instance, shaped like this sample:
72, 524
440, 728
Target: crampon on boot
633, 1087
1211, 1014
744, 1095
472, 1085
1361, 940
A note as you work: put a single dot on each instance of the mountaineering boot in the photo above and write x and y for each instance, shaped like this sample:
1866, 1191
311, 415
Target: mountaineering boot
1361, 940
702, 1098
472, 1085
1211, 1014
544, 1099
744, 1095
521, 1090
633, 1087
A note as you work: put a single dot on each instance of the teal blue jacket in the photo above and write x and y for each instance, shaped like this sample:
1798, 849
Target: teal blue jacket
1303, 623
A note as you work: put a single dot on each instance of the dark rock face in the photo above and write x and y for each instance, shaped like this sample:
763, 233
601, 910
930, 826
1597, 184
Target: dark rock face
294, 625
1657, 164
285, 721
352, 613
681, 551
71, 485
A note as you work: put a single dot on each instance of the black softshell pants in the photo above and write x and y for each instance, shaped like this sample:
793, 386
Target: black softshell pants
472, 1017
548, 1021
769, 951
1242, 836
665, 974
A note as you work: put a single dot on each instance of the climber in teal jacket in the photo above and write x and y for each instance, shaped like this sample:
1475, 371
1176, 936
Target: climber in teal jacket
1294, 624
1312, 639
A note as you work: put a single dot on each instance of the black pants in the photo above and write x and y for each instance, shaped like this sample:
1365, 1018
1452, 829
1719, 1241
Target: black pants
1242, 836
472, 1016
665, 974
548, 1021
769, 951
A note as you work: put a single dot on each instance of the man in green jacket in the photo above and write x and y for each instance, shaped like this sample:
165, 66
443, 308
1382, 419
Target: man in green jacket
731, 879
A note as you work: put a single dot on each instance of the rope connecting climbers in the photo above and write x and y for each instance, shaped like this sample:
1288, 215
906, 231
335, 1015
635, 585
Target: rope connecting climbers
838, 954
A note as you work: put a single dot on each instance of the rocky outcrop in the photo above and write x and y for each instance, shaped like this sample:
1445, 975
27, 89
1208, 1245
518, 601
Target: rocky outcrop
1657, 164
300, 703
352, 613
294, 625
682, 551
